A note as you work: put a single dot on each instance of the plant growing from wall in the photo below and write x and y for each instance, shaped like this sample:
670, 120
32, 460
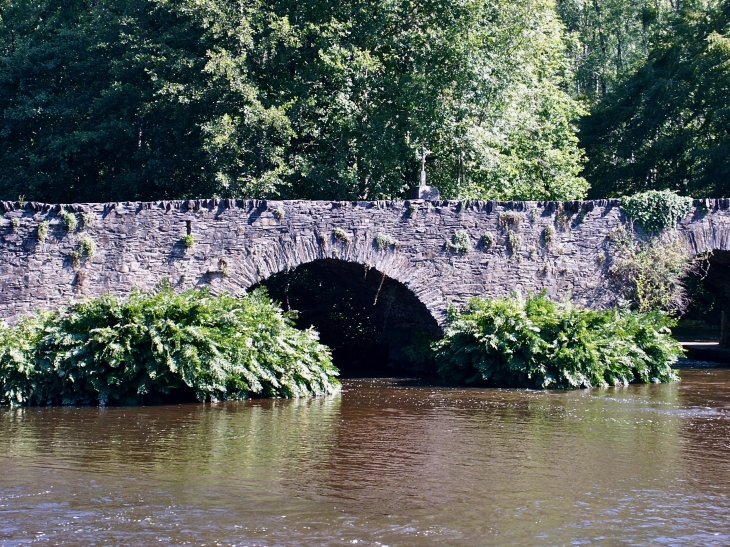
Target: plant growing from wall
223, 266
412, 210
549, 235
656, 210
650, 274
384, 241
21, 201
279, 213
341, 235
510, 219
460, 242
188, 241
69, 220
14, 224
488, 240
42, 230
86, 249
562, 217
87, 219
134, 350
514, 240
538, 343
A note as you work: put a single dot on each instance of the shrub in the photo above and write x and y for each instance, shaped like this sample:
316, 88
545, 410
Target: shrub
460, 242
537, 343
341, 235
656, 210
488, 240
650, 274
42, 230
111, 350
188, 241
69, 220
383, 241
412, 209
279, 213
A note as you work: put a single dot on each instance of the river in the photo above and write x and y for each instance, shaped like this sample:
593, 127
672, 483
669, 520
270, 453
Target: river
387, 463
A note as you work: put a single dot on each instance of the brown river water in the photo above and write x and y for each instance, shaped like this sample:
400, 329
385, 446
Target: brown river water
387, 463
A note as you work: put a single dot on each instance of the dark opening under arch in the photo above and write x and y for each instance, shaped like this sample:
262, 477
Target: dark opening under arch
708, 290
374, 325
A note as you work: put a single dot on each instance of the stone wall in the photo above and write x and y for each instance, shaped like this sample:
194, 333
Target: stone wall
238, 243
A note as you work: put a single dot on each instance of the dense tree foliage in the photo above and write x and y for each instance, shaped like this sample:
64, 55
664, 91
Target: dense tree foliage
146, 99
667, 126
152, 345
128, 99
609, 39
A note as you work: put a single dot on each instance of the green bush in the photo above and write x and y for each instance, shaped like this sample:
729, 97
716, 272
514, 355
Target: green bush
112, 350
69, 220
188, 241
651, 274
537, 343
460, 242
656, 210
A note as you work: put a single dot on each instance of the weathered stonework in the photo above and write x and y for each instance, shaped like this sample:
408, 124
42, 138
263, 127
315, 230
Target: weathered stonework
238, 243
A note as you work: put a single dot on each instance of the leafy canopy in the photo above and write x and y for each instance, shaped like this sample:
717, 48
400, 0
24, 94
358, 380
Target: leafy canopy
666, 126
155, 99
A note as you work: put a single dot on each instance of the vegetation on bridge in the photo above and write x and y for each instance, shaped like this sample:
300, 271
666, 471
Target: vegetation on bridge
154, 345
537, 343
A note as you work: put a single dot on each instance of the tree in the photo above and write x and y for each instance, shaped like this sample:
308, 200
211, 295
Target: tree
667, 126
149, 99
608, 40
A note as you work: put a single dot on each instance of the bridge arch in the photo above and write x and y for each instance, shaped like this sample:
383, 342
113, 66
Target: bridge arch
373, 323
361, 249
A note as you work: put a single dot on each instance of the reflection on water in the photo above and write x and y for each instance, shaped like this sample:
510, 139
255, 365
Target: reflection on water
385, 463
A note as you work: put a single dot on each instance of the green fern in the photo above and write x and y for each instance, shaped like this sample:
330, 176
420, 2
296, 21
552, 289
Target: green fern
133, 350
537, 343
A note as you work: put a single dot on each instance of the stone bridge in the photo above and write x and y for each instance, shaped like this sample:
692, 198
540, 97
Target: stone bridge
239, 243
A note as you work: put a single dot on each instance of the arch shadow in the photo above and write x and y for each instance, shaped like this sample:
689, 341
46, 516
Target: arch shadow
374, 324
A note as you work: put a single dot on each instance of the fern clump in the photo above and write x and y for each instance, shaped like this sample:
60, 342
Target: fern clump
537, 343
135, 350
